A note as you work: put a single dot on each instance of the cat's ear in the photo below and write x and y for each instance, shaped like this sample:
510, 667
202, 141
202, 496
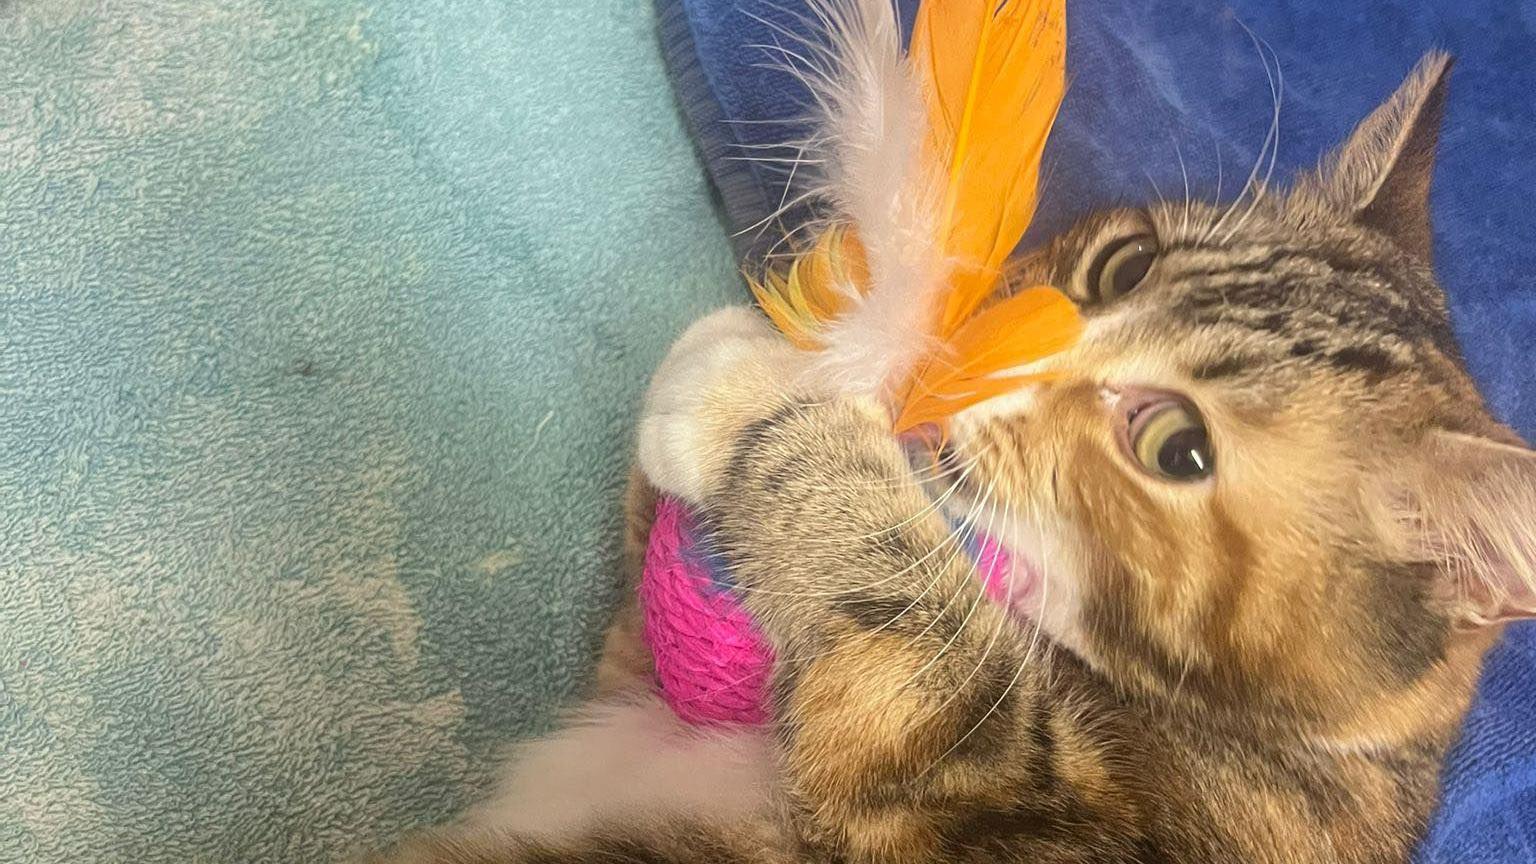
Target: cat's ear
1472, 508
1380, 176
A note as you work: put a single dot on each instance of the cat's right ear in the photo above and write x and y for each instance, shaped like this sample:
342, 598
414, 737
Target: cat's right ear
1380, 176
1471, 506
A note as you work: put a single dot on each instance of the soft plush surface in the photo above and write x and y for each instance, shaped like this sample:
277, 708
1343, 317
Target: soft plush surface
1159, 83
322, 326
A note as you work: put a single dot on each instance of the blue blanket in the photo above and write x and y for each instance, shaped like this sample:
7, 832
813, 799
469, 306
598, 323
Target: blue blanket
1159, 83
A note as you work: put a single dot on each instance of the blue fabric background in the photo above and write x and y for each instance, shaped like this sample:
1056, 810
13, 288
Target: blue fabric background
1157, 82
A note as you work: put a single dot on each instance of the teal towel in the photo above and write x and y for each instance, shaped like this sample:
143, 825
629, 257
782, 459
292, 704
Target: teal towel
322, 328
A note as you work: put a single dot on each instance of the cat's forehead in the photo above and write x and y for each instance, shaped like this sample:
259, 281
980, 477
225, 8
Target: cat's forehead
1256, 290
1267, 312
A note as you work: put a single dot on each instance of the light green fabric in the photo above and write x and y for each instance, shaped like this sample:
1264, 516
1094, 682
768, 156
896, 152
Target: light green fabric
322, 327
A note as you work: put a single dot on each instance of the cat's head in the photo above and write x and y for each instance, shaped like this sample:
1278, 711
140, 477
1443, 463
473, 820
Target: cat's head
1263, 480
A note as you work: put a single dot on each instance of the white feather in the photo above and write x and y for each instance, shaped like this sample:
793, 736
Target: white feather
866, 149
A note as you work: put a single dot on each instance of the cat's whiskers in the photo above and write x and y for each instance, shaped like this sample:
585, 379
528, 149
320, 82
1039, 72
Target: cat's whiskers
957, 533
1023, 664
1277, 94
1003, 621
957, 537
865, 636
960, 536
934, 504
1216, 144
1271, 138
1183, 172
923, 475
959, 590
1156, 190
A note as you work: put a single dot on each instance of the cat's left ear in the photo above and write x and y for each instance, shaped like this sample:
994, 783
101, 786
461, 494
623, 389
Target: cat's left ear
1380, 176
1472, 509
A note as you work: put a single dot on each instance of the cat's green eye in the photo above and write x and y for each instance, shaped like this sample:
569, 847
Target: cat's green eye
1122, 267
1170, 441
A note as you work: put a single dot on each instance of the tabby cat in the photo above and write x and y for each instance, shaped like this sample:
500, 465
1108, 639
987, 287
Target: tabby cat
1265, 528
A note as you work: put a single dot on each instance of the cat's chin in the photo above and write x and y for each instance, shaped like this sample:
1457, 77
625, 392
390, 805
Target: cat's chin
1034, 586
1037, 588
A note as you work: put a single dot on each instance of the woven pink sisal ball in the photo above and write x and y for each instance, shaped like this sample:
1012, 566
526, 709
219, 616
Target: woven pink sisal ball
712, 665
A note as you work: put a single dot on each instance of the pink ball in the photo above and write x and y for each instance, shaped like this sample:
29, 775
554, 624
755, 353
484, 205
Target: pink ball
712, 665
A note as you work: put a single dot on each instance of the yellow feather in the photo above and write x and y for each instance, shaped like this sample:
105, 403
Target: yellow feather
816, 288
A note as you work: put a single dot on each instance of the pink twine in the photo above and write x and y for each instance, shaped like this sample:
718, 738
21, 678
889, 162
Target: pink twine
711, 663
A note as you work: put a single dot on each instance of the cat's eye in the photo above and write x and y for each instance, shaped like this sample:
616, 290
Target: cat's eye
1122, 267
1169, 440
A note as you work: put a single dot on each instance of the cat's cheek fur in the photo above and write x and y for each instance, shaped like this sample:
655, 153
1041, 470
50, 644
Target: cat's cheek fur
628, 760
1055, 601
1046, 549
715, 379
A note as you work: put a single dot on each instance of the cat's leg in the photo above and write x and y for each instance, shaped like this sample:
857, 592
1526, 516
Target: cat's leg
624, 756
903, 695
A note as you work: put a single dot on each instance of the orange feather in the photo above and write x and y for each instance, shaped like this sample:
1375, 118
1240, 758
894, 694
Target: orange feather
991, 75
994, 78
972, 365
993, 82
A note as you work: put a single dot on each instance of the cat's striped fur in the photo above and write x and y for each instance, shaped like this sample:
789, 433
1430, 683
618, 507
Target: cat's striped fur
1267, 667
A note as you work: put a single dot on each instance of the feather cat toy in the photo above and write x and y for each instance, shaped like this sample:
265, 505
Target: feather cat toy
929, 165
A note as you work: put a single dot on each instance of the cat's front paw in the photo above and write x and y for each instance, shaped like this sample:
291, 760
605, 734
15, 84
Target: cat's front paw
726, 370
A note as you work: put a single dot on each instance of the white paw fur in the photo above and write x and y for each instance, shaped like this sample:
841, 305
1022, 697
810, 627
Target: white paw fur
631, 760
725, 366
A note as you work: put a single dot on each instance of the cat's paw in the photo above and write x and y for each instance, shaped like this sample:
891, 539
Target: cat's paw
725, 371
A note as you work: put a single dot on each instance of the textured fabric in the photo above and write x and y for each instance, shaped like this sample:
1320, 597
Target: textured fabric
1158, 88
322, 327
